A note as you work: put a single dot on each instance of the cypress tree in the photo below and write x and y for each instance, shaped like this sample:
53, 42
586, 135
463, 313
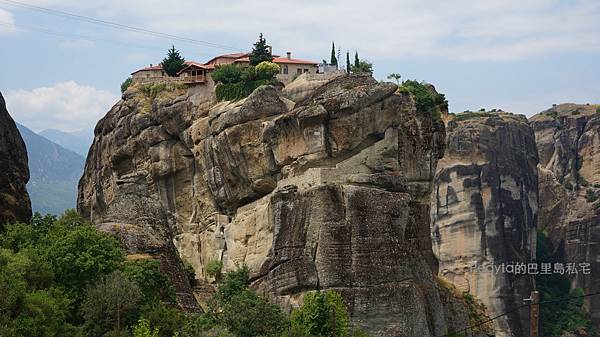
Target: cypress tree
348, 67
173, 63
260, 52
356, 60
334, 61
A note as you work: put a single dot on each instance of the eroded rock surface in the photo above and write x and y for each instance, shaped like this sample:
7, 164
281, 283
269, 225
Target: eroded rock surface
483, 211
568, 141
14, 172
323, 185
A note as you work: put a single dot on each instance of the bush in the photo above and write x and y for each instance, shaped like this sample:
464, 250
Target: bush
362, 67
246, 314
425, 98
190, 272
213, 269
153, 284
590, 195
142, 329
316, 316
228, 73
237, 91
169, 320
126, 84
267, 70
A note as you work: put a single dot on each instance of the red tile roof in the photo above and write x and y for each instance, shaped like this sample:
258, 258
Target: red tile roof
281, 60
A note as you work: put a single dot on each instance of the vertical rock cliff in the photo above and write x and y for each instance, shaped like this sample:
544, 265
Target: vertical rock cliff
568, 141
322, 185
14, 172
483, 211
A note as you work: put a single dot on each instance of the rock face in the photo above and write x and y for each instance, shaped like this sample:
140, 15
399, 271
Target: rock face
14, 172
568, 141
483, 211
323, 185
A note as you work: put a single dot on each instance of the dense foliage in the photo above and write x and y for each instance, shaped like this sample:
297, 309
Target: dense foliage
62, 277
561, 316
173, 63
126, 84
322, 314
261, 52
235, 82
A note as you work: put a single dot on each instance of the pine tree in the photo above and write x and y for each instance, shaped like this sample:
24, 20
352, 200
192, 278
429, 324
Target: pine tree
356, 60
260, 52
173, 63
348, 67
334, 61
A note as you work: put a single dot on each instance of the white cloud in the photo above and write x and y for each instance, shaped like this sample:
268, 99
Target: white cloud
7, 23
67, 106
77, 44
497, 30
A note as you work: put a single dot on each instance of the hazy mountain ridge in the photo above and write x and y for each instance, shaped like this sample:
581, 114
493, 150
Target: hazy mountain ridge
78, 142
55, 173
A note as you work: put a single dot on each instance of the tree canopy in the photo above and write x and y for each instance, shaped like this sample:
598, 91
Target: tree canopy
173, 63
261, 52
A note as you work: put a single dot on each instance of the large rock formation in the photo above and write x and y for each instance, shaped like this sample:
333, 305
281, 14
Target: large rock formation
483, 211
14, 172
568, 141
323, 185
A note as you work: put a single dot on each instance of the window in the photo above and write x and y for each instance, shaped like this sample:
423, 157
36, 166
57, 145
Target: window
305, 70
285, 69
299, 71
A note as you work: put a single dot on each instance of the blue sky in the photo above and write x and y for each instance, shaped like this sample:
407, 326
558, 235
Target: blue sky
521, 56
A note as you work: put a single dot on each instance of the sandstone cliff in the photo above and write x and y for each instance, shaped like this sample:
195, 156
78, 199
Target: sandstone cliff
14, 172
568, 142
483, 211
322, 185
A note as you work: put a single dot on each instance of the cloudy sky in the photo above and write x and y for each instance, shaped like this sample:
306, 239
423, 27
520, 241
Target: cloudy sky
521, 56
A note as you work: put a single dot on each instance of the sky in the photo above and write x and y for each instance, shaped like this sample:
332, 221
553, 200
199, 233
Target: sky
520, 56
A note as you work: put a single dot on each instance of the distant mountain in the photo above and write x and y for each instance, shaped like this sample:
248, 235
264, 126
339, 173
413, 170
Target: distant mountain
78, 142
54, 171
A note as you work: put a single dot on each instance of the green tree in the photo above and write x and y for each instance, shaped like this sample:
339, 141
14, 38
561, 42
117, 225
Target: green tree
142, 329
246, 314
154, 285
30, 305
128, 81
173, 63
111, 304
80, 255
261, 52
169, 320
356, 60
362, 67
348, 66
322, 314
333, 61
395, 76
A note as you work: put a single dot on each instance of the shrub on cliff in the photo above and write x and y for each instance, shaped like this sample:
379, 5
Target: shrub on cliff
126, 84
235, 82
322, 314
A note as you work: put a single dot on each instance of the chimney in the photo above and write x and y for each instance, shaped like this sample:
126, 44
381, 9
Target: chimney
289, 55
270, 49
